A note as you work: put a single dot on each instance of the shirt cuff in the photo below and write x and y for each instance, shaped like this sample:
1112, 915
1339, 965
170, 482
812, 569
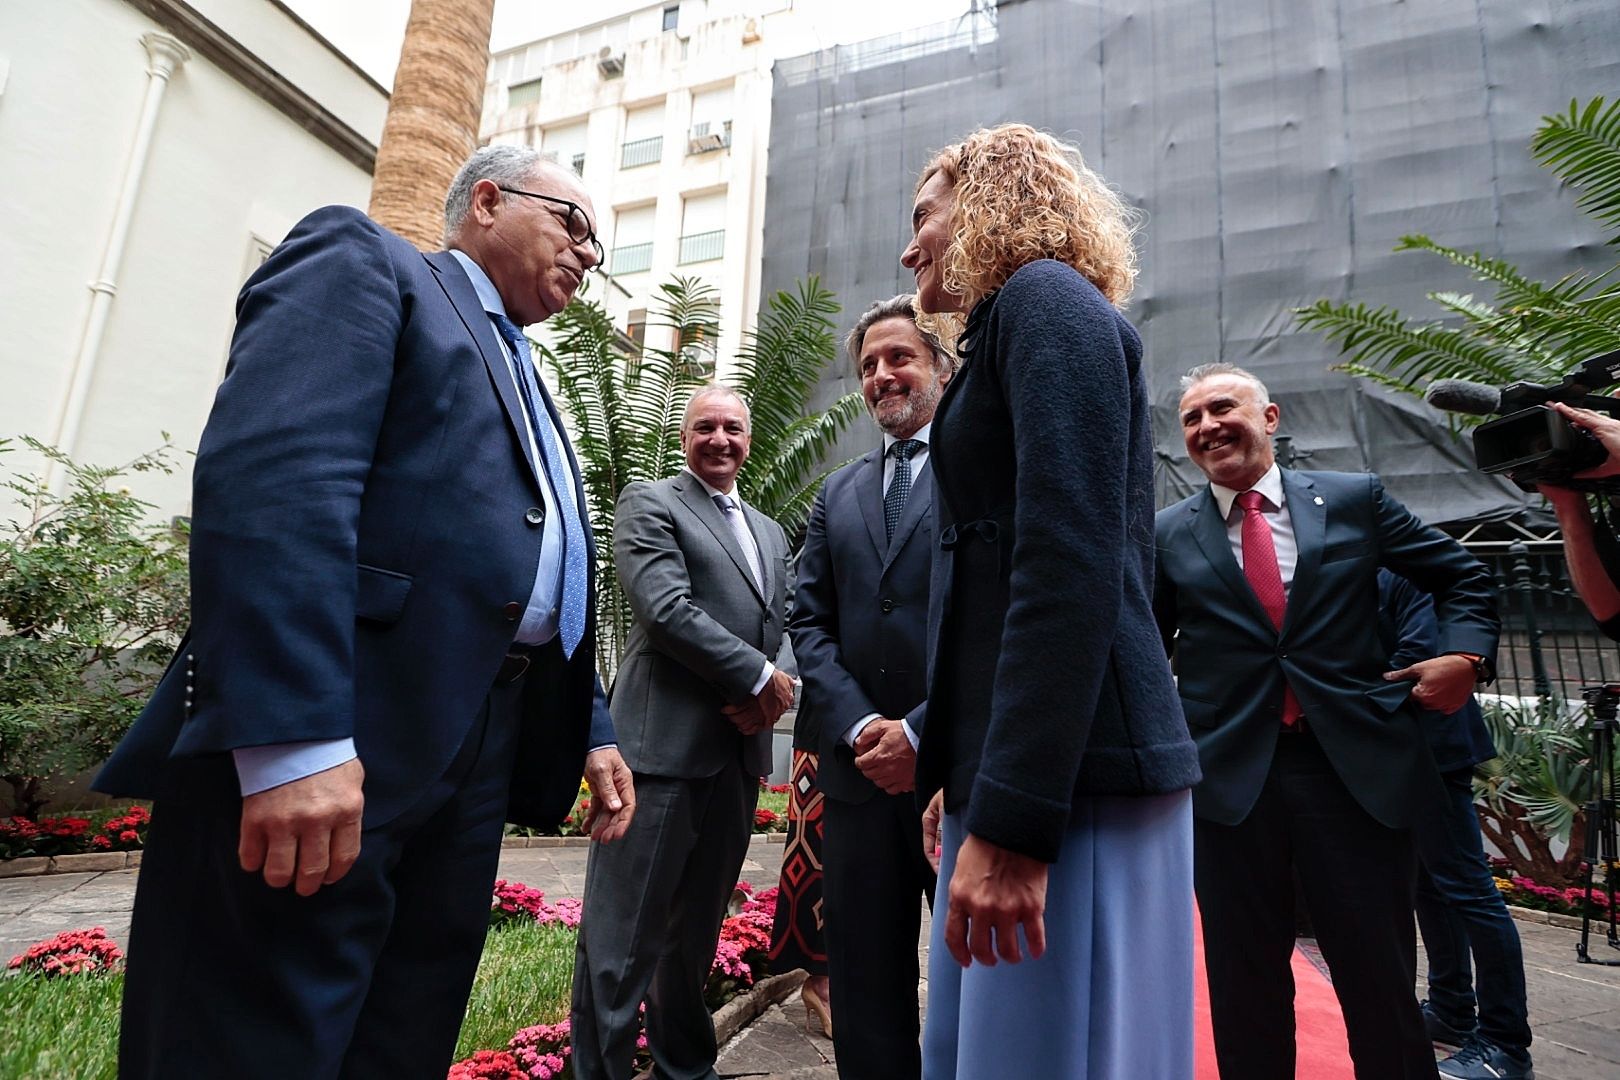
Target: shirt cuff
859, 726
764, 677
911, 736
260, 768
604, 746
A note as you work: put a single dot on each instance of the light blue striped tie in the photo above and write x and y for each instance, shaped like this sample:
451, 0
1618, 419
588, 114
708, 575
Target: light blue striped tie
576, 567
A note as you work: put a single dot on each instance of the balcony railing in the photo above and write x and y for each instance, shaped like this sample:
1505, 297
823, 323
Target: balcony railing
703, 246
642, 152
630, 258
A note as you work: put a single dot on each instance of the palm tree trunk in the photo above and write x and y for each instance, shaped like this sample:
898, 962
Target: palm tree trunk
433, 115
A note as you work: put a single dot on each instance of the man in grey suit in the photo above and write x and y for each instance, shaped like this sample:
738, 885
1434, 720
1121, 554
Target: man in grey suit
693, 705
859, 628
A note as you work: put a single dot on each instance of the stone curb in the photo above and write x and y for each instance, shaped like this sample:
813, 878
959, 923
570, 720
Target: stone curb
744, 1009
90, 862
1553, 918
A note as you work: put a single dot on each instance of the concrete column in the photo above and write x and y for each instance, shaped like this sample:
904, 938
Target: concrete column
164, 56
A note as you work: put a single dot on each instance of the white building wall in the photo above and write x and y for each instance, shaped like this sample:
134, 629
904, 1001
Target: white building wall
227, 174
716, 66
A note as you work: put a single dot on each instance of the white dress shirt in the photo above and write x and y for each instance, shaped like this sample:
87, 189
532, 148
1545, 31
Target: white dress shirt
1274, 509
745, 540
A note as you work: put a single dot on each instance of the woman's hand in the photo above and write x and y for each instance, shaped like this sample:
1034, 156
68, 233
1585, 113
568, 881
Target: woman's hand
930, 823
992, 893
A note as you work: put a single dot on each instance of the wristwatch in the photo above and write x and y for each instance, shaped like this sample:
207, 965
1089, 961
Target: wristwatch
1484, 672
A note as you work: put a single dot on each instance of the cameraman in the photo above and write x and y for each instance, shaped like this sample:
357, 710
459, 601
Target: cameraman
1589, 567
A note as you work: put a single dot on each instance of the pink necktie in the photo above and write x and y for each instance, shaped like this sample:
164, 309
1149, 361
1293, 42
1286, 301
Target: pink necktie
1260, 567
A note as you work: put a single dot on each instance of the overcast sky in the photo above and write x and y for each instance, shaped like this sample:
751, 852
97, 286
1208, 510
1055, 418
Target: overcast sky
370, 31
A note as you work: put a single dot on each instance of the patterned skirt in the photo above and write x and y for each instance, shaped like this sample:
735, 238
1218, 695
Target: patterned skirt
796, 939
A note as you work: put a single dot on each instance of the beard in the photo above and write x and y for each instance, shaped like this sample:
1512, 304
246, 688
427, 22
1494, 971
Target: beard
912, 411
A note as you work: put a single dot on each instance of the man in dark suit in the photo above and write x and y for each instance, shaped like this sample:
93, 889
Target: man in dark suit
693, 704
1266, 592
859, 629
390, 575
1460, 911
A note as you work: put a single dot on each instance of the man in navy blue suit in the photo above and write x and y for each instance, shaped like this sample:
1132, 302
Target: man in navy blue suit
859, 629
1460, 911
1266, 593
391, 647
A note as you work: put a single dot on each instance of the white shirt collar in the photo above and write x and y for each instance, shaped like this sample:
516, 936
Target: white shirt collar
1270, 485
711, 489
921, 435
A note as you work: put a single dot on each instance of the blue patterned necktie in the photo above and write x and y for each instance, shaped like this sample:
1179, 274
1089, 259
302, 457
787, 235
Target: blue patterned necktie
894, 500
576, 567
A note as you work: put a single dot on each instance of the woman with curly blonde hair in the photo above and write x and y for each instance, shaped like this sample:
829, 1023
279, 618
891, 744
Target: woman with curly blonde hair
1056, 752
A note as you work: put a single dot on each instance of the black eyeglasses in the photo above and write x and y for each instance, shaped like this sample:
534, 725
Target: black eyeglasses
579, 226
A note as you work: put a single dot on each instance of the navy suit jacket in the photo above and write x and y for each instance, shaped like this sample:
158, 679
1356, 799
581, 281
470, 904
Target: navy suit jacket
859, 623
363, 539
1409, 633
1231, 660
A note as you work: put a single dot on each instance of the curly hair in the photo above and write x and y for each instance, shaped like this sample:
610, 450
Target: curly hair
1022, 195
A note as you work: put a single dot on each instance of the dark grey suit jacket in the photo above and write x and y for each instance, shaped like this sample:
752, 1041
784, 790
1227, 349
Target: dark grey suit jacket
860, 617
702, 633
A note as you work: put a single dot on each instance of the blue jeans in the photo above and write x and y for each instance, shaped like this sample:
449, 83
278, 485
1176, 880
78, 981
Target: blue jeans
1459, 911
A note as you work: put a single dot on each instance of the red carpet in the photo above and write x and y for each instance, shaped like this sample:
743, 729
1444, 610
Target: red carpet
1323, 1053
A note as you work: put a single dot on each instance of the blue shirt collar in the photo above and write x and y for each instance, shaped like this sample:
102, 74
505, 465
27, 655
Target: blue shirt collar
488, 295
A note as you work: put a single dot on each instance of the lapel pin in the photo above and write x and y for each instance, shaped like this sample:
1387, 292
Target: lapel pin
1318, 500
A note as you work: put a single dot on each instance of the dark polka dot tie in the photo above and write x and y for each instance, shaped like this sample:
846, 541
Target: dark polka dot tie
894, 500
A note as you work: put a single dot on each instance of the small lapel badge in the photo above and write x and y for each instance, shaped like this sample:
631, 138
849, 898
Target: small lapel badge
1318, 500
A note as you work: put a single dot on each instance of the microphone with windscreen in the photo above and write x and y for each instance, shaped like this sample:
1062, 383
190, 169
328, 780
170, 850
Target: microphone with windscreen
1462, 396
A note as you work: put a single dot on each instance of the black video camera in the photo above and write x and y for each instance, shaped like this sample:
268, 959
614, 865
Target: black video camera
1530, 442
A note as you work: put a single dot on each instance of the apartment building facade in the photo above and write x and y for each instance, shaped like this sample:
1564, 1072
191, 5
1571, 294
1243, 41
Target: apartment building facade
664, 112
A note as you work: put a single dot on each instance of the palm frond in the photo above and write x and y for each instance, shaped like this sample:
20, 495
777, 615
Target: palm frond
1582, 146
1382, 338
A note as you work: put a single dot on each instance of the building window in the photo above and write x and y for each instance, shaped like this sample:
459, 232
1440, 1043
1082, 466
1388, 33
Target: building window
672, 15
703, 246
578, 163
636, 329
698, 351
630, 258
523, 93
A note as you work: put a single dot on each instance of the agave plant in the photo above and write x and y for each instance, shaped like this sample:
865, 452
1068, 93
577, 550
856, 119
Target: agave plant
1531, 330
1533, 793
626, 410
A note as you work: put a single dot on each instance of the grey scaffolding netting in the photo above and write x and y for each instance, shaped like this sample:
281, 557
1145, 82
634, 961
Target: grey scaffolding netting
1280, 149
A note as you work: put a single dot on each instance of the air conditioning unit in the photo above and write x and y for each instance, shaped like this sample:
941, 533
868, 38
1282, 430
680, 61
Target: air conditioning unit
609, 65
702, 144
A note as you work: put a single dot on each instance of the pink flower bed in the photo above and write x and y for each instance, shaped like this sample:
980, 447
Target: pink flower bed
72, 952
542, 1051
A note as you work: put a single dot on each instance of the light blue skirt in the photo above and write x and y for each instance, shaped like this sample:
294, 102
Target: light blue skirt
1112, 998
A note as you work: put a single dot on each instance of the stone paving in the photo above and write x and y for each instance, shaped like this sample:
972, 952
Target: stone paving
1574, 1008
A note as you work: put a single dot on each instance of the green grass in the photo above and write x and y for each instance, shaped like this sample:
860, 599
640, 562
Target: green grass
524, 978
771, 801
59, 1029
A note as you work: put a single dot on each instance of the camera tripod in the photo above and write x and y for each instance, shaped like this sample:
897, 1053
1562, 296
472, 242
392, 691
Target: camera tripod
1600, 847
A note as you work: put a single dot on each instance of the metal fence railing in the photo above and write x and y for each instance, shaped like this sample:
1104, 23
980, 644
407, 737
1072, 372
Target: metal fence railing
1549, 642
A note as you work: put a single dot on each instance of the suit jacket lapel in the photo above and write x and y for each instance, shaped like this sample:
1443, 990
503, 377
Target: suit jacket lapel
453, 280
917, 505
1209, 530
869, 493
1308, 515
699, 502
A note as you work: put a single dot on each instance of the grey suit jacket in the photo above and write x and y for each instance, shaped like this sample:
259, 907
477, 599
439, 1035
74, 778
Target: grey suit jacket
703, 629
